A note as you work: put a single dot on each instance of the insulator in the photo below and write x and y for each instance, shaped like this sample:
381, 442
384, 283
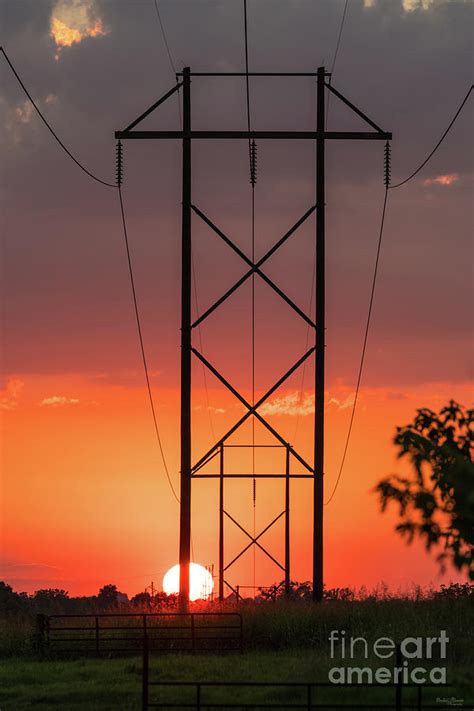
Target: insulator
253, 162
119, 162
254, 492
387, 168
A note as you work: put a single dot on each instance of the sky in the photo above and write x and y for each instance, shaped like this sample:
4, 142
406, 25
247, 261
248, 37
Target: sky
84, 498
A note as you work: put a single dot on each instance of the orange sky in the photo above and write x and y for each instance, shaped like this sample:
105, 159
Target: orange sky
85, 500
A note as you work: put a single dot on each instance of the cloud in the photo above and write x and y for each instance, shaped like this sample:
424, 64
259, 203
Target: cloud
412, 5
24, 111
302, 404
18, 568
73, 21
445, 180
19, 115
59, 401
342, 404
9, 395
210, 408
292, 404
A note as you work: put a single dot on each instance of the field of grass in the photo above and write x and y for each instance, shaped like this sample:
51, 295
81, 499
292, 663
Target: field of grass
284, 642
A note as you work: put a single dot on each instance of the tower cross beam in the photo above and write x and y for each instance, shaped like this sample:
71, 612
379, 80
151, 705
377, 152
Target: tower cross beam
256, 135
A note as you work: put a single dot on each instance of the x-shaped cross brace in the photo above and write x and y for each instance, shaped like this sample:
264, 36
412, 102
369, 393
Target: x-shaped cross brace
254, 268
252, 409
254, 541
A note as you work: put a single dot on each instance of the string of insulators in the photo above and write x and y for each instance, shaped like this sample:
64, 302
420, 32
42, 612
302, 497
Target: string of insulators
253, 163
254, 492
119, 163
388, 167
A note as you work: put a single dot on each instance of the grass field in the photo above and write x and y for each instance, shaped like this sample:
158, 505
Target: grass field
283, 643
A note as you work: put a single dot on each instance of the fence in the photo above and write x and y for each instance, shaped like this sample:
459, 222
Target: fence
124, 633
201, 695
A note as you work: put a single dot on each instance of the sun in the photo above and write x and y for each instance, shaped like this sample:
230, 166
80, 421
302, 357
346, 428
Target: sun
201, 582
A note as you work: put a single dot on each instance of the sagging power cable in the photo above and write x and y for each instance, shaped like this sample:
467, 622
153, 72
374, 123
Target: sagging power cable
371, 300
415, 172
50, 128
137, 316
116, 185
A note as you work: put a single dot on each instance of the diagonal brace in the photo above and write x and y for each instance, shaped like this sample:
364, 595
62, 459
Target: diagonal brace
255, 268
154, 106
254, 541
252, 410
351, 106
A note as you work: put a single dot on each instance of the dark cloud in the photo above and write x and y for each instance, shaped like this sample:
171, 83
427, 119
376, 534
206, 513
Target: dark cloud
64, 275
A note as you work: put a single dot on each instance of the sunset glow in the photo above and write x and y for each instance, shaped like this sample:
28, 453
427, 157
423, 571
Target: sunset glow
85, 498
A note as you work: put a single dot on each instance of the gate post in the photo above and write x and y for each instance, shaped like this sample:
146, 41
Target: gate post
145, 672
39, 634
398, 687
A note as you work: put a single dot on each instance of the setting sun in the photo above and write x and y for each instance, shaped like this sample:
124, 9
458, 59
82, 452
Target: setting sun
201, 582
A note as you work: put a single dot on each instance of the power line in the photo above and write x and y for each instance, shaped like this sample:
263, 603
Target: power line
334, 59
49, 127
387, 188
398, 185
132, 281
170, 56
364, 347
341, 28
303, 375
142, 347
336, 52
204, 372
196, 300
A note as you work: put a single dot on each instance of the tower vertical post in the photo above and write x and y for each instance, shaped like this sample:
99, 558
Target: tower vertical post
320, 344
221, 525
287, 523
185, 504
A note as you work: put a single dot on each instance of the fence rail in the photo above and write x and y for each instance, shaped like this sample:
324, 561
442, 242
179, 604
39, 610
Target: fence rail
124, 633
201, 695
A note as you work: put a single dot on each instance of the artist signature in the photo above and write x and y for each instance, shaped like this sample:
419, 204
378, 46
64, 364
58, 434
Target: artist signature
451, 701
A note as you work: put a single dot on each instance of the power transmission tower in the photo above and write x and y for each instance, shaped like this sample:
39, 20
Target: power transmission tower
315, 470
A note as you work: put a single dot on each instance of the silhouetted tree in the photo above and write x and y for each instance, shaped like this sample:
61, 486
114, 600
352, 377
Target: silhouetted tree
344, 594
51, 600
142, 599
107, 596
161, 600
454, 591
12, 603
298, 591
436, 503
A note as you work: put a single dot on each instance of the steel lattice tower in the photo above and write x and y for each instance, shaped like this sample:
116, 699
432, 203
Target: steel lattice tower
313, 470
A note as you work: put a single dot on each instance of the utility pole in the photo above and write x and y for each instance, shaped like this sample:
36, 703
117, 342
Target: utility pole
185, 508
320, 348
313, 472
